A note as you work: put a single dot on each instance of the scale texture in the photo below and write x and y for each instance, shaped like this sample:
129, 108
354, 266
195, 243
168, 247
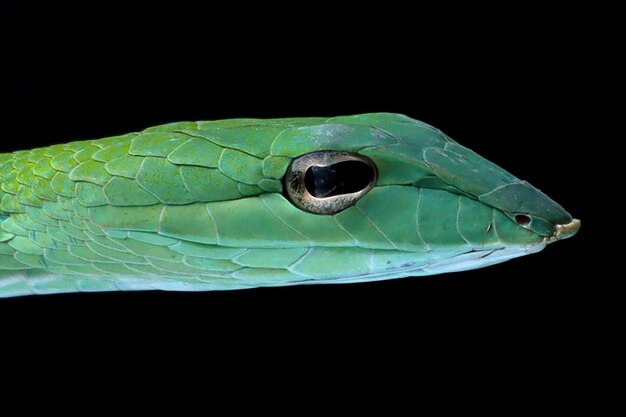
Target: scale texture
200, 206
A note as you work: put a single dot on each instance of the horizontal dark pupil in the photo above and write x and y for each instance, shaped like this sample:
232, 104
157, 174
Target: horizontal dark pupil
341, 178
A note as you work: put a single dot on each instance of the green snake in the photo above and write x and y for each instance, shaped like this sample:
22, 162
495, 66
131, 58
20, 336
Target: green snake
231, 204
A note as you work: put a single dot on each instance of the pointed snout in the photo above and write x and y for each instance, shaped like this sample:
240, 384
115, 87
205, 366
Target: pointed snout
564, 231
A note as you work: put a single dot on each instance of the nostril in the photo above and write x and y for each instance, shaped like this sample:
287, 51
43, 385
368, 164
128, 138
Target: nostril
522, 219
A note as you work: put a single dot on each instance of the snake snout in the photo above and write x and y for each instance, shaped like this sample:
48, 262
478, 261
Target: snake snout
564, 231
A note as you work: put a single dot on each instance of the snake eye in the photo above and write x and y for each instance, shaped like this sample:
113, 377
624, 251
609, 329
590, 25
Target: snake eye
327, 182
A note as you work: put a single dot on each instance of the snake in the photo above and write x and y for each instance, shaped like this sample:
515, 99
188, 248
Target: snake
245, 203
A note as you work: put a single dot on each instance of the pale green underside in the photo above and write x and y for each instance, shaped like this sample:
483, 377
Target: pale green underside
199, 206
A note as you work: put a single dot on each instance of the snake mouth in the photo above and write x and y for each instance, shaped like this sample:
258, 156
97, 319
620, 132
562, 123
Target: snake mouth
564, 231
472, 259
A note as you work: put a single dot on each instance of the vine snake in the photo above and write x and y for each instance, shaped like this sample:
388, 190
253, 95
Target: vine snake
244, 203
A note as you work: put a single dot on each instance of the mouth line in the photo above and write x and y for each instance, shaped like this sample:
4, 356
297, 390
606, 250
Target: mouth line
475, 258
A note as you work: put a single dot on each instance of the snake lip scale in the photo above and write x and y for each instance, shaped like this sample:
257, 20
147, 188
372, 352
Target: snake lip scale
244, 203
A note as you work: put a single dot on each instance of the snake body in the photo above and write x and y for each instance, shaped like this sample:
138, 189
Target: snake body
202, 206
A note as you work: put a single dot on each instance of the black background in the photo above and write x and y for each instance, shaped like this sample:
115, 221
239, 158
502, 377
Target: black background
515, 93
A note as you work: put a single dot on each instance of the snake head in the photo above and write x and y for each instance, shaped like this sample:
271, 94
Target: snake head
246, 203
409, 155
